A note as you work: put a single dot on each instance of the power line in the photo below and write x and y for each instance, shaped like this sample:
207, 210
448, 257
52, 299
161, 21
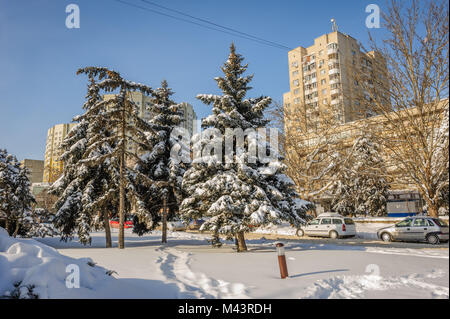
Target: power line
215, 24
198, 24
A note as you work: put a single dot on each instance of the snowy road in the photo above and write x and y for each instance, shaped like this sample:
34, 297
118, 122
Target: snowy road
187, 267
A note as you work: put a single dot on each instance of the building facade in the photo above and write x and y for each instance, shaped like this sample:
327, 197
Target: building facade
35, 169
189, 118
53, 166
322, 80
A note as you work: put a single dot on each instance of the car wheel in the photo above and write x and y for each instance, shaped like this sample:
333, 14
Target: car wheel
300, 232
333, 234
386, 237
433, 239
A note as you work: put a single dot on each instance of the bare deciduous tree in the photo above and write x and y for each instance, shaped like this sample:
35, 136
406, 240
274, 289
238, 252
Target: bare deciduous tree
411, 95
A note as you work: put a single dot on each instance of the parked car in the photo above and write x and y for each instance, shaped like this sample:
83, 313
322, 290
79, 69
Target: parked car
329, 225
114, 222
419, 228
176, 226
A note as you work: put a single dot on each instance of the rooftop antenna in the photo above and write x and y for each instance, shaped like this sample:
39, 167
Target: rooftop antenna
334, 26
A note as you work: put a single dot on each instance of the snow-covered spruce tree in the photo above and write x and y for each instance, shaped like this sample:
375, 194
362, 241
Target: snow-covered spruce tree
39, 223
121, 117
87, 189
360, 187
24, 196
15, 195
160, 170
242, 191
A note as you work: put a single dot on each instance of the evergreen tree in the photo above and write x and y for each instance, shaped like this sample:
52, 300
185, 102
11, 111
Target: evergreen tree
39, 223
360, 188
158, 183
83, 187
237, 191
119, 115
15, 194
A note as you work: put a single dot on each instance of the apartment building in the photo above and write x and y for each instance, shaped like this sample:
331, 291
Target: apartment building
35, 169
189, 118
53, 166
322, 80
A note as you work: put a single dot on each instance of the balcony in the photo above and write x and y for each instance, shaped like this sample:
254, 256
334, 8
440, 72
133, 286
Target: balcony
335, 81
310, 81
310, 91
335, 91
332, 61
333, 71
332, 50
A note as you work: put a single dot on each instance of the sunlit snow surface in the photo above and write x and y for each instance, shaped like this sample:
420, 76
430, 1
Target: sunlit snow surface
188, 267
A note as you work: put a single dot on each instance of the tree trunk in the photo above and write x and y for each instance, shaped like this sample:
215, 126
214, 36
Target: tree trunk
107, 229
164, 221
16, 230
122, 186
433, 210
241, 242
7, 224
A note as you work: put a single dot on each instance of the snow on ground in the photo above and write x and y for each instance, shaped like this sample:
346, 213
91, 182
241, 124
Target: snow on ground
33, 264
344, 287
188, 267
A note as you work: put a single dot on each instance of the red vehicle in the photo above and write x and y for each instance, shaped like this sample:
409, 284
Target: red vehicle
114, 222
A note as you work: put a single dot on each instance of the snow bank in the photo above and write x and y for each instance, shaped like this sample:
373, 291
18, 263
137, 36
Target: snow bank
30, 269
346, 287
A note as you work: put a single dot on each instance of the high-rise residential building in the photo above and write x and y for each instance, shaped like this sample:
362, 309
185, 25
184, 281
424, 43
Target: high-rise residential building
53, 166
322, 80
35, 169
189, 118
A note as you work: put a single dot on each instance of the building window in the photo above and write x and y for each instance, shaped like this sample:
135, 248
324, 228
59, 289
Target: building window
296, 83
323, 82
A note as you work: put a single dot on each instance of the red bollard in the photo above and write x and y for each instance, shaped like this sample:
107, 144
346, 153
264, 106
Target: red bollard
282, 260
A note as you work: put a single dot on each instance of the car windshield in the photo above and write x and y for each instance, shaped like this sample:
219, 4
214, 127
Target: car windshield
440, 222
349, 221
314, 222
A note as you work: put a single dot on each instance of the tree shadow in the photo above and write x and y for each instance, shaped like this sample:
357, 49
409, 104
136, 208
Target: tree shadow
318, 272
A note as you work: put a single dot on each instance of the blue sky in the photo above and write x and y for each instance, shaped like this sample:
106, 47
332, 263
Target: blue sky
39, 55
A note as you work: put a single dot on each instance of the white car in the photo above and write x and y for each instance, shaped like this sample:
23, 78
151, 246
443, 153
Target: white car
176, 226
330, 225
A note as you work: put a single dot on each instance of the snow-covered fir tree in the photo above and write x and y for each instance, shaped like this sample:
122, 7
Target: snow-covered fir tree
242, 192
160, 170
39, 223
360, 187
82, 184
24, 196
15, 193
119, 116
